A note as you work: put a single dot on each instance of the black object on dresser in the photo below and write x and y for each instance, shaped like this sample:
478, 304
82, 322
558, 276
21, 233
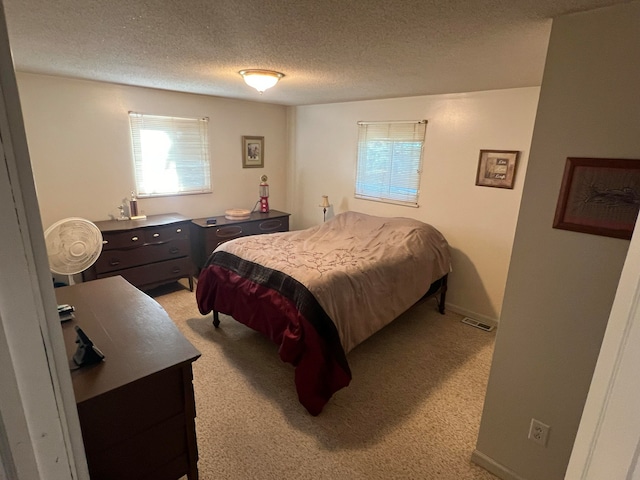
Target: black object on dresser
147, 252
212, 231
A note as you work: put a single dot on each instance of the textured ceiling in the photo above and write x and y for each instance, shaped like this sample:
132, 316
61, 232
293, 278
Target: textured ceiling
329, 50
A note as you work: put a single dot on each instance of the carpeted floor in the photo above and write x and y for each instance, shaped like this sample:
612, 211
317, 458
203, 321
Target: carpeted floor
412, 410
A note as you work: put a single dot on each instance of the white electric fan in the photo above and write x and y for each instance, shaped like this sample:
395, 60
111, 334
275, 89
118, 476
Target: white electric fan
73, 245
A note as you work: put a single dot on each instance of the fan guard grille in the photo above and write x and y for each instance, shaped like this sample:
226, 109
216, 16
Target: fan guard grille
73, 245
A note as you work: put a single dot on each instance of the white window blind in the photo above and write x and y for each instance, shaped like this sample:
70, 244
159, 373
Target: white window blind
390, 161
171, 155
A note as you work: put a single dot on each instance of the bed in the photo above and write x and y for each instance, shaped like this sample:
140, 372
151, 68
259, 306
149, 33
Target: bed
319, 292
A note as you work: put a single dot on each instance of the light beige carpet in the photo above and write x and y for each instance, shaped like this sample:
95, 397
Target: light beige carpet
412, 410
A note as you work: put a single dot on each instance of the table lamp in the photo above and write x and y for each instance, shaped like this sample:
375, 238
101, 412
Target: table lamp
325, 206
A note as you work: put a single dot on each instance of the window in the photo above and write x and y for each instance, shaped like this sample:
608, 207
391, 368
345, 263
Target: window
170, 154
390, 161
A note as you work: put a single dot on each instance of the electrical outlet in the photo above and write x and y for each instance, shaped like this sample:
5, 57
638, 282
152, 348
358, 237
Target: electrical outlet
539, 432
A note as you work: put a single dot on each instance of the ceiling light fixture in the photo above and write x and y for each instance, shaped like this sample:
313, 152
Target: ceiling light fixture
261, 79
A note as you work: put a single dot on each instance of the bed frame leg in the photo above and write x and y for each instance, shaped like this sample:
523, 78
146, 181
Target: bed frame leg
216, 319
443, 294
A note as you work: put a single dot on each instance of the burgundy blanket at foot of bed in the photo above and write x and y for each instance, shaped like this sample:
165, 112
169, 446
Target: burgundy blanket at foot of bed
284, 310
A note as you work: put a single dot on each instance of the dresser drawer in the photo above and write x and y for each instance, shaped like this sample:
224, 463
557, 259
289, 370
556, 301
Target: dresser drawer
206, 237
138, 237
155, 273
272, 225
229, 232
167, 233
127, 239
125, 412
141, 429
224, 234
145, 456
111, 260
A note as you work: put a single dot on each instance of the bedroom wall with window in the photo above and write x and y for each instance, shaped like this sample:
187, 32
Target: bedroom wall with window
479, 222
80, 145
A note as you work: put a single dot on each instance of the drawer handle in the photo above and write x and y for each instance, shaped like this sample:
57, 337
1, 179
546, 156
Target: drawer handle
174, 250
134, 239
113, 262
270, 225
156, 235
104, 242
179, 230
229, 232
175, 270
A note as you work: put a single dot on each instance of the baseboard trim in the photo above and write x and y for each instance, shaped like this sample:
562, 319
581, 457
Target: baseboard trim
494, 467
468, 313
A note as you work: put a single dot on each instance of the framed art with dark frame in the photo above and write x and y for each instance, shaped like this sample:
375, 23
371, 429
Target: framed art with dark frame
600, 196
497, 168
252, 152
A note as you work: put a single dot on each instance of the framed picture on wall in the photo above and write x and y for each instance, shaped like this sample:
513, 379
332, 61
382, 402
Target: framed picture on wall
252, 152
497, 168
600, 196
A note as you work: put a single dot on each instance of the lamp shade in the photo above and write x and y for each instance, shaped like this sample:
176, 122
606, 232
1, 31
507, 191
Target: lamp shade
325, 201
261, 79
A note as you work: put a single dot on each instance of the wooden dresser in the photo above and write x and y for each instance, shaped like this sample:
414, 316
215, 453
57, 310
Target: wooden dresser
148, 252
206, 237
136, 408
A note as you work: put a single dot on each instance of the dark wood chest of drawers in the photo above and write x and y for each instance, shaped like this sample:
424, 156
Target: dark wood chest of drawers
137, 408
206, 237
148, 252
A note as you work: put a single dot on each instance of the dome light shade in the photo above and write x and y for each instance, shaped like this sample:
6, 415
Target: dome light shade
261, 79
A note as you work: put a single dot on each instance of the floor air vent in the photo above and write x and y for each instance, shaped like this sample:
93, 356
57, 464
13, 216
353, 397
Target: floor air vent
477, 324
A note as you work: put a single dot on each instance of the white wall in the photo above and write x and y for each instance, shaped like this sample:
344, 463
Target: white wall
479, 222
80, 146
561, 284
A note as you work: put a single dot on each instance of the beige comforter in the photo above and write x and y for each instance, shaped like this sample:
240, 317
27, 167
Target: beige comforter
363, 270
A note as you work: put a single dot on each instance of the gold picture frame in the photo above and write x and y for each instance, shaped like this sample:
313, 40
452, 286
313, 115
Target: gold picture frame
252, 152
497, 168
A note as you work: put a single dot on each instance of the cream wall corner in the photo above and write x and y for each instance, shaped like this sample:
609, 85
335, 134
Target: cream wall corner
479, 222
561, 284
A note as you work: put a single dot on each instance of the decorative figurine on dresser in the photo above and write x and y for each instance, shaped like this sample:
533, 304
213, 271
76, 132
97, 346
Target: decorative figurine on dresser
147, 252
